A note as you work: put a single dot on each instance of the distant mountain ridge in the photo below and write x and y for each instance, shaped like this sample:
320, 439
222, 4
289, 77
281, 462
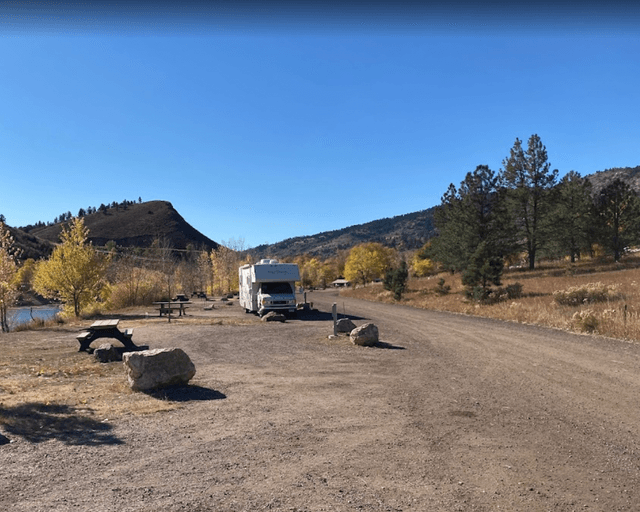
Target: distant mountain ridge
409, 231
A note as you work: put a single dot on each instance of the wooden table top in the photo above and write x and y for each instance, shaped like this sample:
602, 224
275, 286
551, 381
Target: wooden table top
105, 324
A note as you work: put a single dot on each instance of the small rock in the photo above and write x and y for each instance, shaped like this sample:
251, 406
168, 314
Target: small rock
345, 325
107, 353
272, 316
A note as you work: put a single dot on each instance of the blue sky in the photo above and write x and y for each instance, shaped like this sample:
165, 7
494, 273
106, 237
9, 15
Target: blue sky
267, 124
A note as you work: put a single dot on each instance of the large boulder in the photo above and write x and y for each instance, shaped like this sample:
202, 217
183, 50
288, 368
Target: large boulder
345, 325
366, 335
158, 368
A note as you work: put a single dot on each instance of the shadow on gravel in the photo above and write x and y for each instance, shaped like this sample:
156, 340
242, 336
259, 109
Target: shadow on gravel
314, 314
119, 316
389, 346
38, 422
187, 394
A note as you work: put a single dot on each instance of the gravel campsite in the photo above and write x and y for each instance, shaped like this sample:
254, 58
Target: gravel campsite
447, 412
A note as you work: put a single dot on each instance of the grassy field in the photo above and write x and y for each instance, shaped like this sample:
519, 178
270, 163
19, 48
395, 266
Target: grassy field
592, 296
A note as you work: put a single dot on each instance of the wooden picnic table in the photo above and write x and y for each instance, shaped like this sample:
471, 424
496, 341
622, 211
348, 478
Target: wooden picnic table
106, 329
169, 306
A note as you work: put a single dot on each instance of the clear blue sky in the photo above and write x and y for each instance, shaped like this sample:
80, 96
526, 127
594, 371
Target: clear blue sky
263, 123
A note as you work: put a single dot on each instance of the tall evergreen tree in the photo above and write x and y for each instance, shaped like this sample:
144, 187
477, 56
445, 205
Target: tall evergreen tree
528, 178
473, 235
447, 247
618, 213
573, 215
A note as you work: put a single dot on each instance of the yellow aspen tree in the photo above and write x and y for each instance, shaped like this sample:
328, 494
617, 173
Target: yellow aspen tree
225, 265
205, 273
422, 266
367, 262
8, 271
75, 272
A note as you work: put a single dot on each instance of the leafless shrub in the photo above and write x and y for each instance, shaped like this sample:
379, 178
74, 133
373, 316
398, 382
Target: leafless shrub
589, 293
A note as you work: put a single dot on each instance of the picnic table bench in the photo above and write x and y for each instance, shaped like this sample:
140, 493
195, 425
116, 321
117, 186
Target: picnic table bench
170, 306
106, 329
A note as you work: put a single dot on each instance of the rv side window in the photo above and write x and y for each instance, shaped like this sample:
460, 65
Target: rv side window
272, 288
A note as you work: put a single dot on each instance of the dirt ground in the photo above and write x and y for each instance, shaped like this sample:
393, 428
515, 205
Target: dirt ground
447, 413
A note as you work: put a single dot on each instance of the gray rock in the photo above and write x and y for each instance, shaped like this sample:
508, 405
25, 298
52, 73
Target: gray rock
158, 368
345, 325
366, 335
272, 316
106, 353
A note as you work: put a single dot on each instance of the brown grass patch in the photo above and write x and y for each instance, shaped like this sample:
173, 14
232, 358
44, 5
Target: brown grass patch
601, 297
49, 370
42, 368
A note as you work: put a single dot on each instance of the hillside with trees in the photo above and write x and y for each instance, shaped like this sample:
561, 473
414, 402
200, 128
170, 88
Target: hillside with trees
403, 232
130, 224
523, 213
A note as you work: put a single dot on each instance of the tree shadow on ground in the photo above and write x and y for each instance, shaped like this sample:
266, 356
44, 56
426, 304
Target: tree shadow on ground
37, 422
186, 394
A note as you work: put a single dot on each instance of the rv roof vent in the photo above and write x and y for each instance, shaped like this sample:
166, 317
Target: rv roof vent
268, 262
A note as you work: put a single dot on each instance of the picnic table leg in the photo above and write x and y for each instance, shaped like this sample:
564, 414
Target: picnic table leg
85, 344
127, 343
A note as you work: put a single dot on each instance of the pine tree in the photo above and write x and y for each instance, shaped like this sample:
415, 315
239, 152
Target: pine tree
395, 280
618, 214
473, 230
528, 178
572, 214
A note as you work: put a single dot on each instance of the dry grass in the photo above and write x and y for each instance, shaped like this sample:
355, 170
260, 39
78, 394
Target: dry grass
55, 373
41, 368
607, 297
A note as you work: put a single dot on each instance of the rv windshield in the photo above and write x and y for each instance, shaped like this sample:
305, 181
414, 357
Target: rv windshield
274, 288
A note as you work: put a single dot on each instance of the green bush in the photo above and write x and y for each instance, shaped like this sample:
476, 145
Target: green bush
514, 291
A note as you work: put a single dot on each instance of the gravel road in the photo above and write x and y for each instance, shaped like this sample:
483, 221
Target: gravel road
448, 413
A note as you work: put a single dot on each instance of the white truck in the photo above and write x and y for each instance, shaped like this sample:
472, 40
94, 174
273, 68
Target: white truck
268, 286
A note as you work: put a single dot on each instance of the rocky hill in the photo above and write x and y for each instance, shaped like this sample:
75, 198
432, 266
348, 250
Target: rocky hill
134, 225
408, 231
30, 246
630, 175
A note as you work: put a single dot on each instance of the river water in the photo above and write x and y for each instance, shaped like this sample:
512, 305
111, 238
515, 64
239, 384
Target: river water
17, 316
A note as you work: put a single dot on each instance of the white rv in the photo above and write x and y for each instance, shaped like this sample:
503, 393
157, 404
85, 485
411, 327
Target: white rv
268, 286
